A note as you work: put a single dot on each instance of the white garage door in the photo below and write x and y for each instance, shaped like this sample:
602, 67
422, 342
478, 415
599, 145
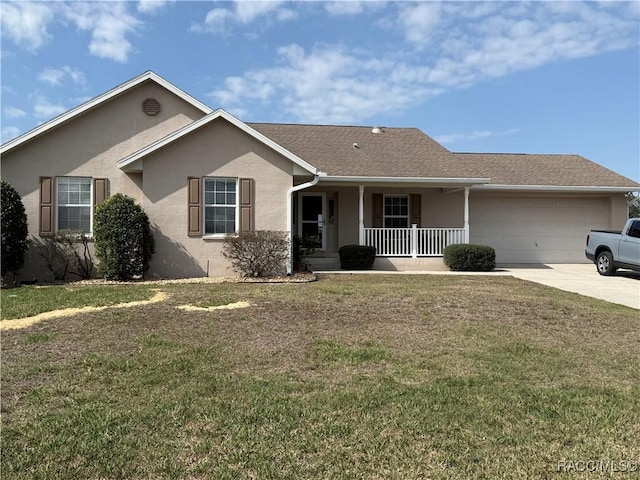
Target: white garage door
536, 229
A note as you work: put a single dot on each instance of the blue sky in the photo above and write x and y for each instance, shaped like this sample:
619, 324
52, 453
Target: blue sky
523, 77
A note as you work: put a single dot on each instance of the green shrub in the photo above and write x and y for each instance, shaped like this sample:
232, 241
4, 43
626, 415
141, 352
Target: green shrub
262, 253
123, 239
13, 230
357, 257
470, 258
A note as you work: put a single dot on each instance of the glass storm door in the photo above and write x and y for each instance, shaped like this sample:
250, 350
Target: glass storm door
312, 217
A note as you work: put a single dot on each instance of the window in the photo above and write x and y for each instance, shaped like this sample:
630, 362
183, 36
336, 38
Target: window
220, 199
74, 204
396, 211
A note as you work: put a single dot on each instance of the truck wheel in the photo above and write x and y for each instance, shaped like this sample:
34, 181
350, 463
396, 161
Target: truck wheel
604, 264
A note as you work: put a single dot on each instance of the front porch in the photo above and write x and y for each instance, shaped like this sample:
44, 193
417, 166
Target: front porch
410, 222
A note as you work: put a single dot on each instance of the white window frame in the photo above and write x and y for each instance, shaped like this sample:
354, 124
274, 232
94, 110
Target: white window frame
206, 205
384, 209
58, 205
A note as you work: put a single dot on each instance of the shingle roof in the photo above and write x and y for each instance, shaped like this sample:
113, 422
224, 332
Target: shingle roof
398, 152
408, 152
538, 169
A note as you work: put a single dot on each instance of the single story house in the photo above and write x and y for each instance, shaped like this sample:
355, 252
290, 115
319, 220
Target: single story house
201, 173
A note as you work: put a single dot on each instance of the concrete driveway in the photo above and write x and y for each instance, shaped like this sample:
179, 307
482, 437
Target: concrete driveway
623, 288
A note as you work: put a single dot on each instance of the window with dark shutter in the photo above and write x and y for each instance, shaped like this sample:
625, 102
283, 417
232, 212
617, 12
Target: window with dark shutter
194, 207
246, 204
100, 190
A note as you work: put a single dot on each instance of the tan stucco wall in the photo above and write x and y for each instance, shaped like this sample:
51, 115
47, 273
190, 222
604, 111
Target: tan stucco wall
91, 145
218, 149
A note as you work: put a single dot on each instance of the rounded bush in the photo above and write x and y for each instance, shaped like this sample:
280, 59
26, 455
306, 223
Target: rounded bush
357, 257
261, 253
470, 258
123, 238
14, 229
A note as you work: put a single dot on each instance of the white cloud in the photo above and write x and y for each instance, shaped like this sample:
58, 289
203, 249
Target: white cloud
13, 112
457, 46
328, 84
152, 6
43, 108
9, 132
419, 20
344, 8
351, 7
25, 23
219, 20
110, 23
56, 76
475, 135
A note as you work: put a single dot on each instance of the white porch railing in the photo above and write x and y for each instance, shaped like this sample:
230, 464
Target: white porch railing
412, 242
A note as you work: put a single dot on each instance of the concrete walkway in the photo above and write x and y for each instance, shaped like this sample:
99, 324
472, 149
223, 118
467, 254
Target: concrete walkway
623, 288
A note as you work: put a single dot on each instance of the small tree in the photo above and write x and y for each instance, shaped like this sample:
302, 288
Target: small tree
14, 230
261, 253
123, 240
66, 252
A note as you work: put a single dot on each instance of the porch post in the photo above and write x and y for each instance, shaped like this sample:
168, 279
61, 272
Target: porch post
466, 214
414, 240
361, 216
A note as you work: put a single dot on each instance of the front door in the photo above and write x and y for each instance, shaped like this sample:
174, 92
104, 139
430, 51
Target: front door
312, 220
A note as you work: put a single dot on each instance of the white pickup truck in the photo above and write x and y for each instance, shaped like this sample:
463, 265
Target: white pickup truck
611, 250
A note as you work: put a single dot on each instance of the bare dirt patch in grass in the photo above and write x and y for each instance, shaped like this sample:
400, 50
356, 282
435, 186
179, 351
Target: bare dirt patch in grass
11, 324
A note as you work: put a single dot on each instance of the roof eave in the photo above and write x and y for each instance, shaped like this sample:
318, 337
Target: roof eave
560, 188
80, 109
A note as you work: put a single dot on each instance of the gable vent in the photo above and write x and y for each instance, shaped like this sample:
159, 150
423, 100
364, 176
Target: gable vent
151, 107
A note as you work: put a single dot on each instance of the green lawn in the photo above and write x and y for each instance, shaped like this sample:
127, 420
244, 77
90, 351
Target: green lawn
349, 377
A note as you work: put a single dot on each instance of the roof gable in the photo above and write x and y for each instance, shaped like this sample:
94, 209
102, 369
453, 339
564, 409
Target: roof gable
97, 101
132, 162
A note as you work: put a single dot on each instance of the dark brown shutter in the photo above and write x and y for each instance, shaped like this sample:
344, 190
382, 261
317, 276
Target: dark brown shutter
415, 208
46, 206
194, 208
246, 204
100, 190
377, 208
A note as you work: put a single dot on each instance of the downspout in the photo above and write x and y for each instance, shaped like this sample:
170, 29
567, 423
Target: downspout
290, 193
